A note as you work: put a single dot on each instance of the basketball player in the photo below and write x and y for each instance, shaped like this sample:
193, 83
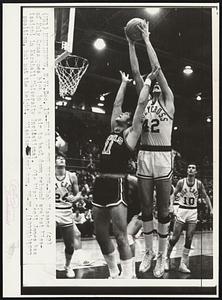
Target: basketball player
190, 190
155, 156
66, 193
110, 189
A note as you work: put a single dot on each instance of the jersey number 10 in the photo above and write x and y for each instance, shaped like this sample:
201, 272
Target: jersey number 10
188, 201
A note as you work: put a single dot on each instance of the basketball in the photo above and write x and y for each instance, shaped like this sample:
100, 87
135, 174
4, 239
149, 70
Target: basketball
132, 30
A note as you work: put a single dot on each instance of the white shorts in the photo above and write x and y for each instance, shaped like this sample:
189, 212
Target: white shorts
154, 164
186, 215
64, 217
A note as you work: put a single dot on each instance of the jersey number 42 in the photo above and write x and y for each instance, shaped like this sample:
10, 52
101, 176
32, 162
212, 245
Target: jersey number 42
154, 126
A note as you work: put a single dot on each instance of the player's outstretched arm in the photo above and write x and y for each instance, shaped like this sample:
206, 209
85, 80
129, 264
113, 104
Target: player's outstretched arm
205, 196
134, 65
136, 128
144, 28
117, 106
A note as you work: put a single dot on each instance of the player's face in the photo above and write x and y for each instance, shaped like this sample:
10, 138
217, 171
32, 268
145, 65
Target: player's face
192, 170
123, 118
60, 166
156, 88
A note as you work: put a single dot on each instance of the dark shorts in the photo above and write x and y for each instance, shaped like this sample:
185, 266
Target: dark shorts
108, 191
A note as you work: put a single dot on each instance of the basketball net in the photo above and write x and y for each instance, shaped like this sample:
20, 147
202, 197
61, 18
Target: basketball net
70, 71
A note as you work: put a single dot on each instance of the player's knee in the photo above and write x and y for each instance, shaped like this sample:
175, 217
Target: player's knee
78, 235
164, 219
69, 249
121, 239
147, 216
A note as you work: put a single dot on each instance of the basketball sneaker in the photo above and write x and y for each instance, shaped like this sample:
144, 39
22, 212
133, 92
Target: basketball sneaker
125, 277
160, 266
183, 268
69, 272
117, 276
146, 261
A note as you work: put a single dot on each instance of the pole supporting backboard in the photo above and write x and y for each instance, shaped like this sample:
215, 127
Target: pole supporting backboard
70, 39
66, 34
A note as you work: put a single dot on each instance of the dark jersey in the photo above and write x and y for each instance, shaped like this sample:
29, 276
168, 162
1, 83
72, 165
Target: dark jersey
115, 154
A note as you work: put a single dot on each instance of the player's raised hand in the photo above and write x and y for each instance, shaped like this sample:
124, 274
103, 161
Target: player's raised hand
154, 73
144, 28
125, 77
131, 42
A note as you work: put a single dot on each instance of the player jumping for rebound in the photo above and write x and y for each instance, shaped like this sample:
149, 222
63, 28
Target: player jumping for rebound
190, 190
66, 192
110, 189
155, 155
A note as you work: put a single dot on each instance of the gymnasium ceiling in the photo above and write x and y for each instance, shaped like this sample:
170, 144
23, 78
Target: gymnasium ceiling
180, 36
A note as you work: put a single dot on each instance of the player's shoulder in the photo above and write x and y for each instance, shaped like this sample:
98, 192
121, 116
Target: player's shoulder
72, 175
181, 181
199, 183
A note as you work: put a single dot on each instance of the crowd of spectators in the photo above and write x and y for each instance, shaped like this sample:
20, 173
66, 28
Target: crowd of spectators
83, 209
85, 162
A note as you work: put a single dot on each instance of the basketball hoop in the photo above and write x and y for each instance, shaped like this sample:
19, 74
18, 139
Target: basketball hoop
70, 71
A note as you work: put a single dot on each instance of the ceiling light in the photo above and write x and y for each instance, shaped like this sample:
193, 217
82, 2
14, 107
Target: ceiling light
102, 98
198, 98
175, 127
68, 98
152, 10
98, 110
187, 70
100, 104
99, 44
208, 120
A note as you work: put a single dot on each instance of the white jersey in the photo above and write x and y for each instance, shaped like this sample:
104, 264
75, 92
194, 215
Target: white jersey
63, 188
177, 199
189, 194
157, 126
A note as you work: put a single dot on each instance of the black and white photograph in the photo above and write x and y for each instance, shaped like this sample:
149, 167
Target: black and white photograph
119, 119
134, 143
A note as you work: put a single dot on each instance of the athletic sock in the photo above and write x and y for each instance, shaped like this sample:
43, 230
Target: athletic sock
148, 234
185, 256
132, 247
112, 263
169, 248
163, 231
68, 259
127, 268
134, 266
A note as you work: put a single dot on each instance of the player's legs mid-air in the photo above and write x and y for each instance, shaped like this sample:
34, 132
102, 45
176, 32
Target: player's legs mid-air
118, 215
163, 188
146, 197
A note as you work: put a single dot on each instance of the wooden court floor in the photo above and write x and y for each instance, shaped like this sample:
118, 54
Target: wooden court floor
201, 259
